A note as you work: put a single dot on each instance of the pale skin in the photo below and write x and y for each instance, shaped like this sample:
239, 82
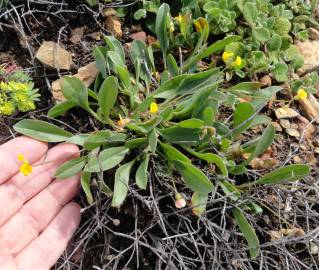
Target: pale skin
37, 219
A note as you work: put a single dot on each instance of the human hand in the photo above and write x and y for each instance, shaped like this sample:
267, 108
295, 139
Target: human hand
36, 217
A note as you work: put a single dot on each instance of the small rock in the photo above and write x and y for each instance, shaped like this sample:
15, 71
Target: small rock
263, 163
297, 159
285, 123
317, 150
116, 222
54, 56
77, 34
87, 74
305, 127
310, 51
139, 36
314, 249
293, 132
313, 33
266, 80
113, 25
277, 126
284, 113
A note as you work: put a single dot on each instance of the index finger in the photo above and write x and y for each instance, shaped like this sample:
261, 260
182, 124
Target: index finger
31, 149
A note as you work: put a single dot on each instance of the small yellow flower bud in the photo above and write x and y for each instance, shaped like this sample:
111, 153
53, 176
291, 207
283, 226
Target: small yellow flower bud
301, 94
21, 157
227, 56
153, 108
122, 121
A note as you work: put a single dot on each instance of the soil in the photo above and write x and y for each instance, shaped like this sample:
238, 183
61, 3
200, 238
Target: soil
148, 232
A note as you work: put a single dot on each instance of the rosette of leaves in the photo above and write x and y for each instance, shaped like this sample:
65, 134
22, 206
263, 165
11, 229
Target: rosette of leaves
185, 130
221, 15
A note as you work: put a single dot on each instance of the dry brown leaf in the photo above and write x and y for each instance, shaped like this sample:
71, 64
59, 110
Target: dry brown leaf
263, 163
113, 25
292, 232
286, 113
139, 36
54, 56
77, 34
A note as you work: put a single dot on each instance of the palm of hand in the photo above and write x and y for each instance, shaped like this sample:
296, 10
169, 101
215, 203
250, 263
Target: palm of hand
36, 218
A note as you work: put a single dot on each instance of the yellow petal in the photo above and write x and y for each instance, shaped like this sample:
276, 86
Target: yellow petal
26, 168
301, 94
21, 157
153, 107
227, 56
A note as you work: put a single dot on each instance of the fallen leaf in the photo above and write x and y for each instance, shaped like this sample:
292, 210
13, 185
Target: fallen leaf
77, 34
54, 56
293, 132
109, 12
292, 232
266, 80
113, 25
285, 123
139, 36
263, 163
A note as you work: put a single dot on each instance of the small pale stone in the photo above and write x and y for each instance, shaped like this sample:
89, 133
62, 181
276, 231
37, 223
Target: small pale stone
54, 56
284, 113
116, 222
285, 123
293, 132
86, 74
310, 52
277, 126
266, 80
317, 150
109, 12
313, 33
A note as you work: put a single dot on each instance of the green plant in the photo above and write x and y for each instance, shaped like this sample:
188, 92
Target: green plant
16, 92
167, 121
3, 3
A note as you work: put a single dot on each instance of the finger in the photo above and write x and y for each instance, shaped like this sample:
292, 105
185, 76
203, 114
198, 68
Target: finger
6, 261
35, 216
32, 149
44, 251
22, 188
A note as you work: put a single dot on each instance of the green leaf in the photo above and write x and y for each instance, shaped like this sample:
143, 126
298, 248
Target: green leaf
75, 91
178, 134
85, 183
97, 139
152, 140
172, 65
42, 131
78, 139
219, 45
265, 140
194, 178
211, 158
289, 173
60, 108
116, 46
261, 34
242, 113
172, 154
108, 159
245, 86
141, 173
161, 27
122, 177
100, 61
199, 202
140, 14
136, 143
70, 168
108, 95
280, 72
248, 232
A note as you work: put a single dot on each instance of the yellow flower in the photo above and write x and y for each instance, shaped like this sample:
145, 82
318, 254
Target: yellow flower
153, 108
26, 168
179, 18
171, 27
301, 94
227, 56
238, 62
123, 121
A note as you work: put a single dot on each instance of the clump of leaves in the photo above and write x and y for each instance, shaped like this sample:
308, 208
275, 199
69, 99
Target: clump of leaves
17, 92
173, 120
